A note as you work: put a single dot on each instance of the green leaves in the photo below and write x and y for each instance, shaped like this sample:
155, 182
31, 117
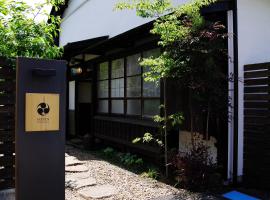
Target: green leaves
22, 35
136, 140
160, 67
192, 54
131, 160
148, 138
176, 119
146, 8
173, 24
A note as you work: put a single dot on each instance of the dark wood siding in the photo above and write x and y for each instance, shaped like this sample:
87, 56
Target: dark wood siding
121, 131
256, 125
7, 123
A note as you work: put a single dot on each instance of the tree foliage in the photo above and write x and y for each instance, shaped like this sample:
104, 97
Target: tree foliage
21, 34
172, 24
193, 49
193, 55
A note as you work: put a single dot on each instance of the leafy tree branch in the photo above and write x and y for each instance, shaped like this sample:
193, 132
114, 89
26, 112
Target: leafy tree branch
21, 34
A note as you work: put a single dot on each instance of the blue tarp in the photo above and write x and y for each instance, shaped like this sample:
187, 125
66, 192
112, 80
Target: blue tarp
234, 195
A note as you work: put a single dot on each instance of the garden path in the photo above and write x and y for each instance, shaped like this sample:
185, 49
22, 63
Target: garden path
89, 177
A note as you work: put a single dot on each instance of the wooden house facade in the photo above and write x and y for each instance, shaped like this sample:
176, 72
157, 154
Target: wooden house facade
109, 99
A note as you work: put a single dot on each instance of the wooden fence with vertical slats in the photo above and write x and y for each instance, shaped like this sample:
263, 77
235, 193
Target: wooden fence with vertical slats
256, 125
118, 132
7, 123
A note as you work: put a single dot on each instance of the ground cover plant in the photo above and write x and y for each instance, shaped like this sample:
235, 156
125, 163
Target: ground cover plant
130, 161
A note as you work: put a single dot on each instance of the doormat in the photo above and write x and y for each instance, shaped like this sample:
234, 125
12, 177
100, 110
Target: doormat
234, 195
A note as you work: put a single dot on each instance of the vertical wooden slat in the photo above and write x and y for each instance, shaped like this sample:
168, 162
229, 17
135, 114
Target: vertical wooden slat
7, 123
123, 131
256, 125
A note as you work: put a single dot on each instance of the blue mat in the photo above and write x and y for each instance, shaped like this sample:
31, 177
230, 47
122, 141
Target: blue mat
234, 195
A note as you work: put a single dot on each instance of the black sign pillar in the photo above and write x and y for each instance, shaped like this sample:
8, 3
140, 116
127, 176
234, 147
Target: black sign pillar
40, 129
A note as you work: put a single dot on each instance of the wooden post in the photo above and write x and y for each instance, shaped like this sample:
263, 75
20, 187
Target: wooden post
40, 129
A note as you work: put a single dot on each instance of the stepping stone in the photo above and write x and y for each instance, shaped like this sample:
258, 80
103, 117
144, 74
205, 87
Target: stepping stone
77, 168
66, 155
97, 192
73, 161
170, 197
77, 176
77, 184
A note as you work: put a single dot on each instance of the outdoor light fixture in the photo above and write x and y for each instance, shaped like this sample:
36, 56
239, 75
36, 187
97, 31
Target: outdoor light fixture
76, 71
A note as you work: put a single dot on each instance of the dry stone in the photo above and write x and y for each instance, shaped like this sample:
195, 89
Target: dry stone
98, 192
169, 197
77, 184
76, 168
70, 161
77, 176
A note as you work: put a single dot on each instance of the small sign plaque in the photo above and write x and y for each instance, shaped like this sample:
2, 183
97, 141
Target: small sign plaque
41, 112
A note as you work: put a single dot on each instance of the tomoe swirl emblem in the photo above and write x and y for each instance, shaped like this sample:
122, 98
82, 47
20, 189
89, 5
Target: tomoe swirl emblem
43, 109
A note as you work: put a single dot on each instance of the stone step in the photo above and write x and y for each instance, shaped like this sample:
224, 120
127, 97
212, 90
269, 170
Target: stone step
98, 192
80, 183
169, 197
70, 161
76, 168
77, 176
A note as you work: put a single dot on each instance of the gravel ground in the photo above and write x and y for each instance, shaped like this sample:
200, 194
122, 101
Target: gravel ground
130, 186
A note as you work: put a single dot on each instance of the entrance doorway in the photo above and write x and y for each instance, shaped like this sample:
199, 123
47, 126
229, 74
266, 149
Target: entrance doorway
83, 107
80, 108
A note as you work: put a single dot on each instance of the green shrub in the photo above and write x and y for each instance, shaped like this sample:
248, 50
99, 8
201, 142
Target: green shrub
196, 169
151, 173
109, 152
131, 160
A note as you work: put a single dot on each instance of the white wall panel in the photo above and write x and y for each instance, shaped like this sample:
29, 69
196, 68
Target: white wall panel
85, 19
253, 46
71, 95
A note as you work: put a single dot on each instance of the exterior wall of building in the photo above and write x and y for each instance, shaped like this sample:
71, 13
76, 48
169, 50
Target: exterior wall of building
71, 108
71, 95
253, 47
185, 143
86, 19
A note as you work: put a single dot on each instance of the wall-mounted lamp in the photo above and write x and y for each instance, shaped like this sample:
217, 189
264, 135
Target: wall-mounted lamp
76, 71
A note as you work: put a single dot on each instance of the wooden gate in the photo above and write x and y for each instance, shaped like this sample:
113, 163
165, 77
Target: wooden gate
256, 125
7, 123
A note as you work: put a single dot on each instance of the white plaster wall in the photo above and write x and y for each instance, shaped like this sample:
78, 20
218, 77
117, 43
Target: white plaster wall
185, 143
71, 95
86, 19
253, 46
72, 6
